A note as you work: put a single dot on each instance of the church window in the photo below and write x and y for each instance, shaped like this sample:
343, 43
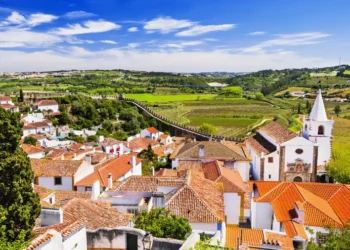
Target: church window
299, 151
270, 159
269, 176
321, 130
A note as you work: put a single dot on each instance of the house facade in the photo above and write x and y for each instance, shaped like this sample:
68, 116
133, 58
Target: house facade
44, 127
45, 105
151, 133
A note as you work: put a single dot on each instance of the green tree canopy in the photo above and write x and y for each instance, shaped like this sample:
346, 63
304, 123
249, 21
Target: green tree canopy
19, 205
30, 140
337, 110
337, 239
160, 223
208, 129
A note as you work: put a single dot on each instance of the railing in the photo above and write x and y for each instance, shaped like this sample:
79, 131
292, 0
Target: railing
176, 125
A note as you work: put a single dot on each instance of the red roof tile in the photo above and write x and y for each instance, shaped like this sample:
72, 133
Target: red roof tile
278, 132
44, 167
46, 103
30, 149
152, 130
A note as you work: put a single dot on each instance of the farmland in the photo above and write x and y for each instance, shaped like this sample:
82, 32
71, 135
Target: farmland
169, 98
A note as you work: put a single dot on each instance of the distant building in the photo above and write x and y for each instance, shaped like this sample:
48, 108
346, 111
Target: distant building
6, 100
44, 127
151, 133
46, 105
33, 152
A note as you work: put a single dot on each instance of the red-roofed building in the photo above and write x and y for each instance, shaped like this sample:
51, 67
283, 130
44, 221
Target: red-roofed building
117, 169
33, 151
165, 139
6, 100
9, 107
46, 105
151, 133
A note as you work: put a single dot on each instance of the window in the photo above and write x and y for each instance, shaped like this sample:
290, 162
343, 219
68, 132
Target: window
270, 159
133, 211
51, 200
299, 151
305, 127
321, 239
321, 130
58, 180
88, 189
269, 176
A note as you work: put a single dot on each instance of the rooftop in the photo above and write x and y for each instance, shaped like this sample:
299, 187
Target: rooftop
34, 125
44, 167
152, 130
166, 173
46, 103
30, 149
142, 143
5, 98
278, 132
260, 145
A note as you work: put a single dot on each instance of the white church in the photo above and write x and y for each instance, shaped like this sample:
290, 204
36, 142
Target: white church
281, 155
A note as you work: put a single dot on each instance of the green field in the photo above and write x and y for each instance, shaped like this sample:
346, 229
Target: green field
169, 98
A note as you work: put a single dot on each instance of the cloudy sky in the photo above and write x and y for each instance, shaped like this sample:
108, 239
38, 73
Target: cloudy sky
172, 35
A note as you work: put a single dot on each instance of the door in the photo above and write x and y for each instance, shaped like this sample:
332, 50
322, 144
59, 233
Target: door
131, 242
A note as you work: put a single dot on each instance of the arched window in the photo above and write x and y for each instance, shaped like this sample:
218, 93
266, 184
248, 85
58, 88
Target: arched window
298, 179
321, 130
305, 127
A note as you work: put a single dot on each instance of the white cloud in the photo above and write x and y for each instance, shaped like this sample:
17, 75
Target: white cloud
211, 39
194, 61
181, 45
257, 33
133, 29
74, 40
33, 20
166, 25
203, 29
133, 45
87, 27
25, 38
288, 40
78, 14
108, 42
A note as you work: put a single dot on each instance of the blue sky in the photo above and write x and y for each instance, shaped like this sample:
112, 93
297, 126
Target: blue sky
176, 36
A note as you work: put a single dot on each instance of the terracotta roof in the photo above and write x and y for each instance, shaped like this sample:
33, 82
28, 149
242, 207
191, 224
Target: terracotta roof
36, 125
44, 167
46, 103
98, 157
160, 151
186, 165
263, 186
43, 192
320, 205
163, 136
146, 183
44, 234
56, 154
7, 106
117, 167
110, 141
199, 200
260, 145
278, 132
37, 136
152, 130
63, 196
96, 214
231, 179
30, 149
142, 143
255, 238
212, 150
76, 147
294, 229
166, 172
5, 98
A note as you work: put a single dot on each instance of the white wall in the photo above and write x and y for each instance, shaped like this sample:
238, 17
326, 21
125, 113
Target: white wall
28, 132
243, 169
209, 227
36, 117
55, 243
54, 108
276, 226
255, 162
84, 170
315, 231
271, 168
232, 207
49, 182
261, 215
77, 241
38, 155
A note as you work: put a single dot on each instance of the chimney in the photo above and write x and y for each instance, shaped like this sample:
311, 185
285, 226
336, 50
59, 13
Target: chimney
88, 158
133, 161
152, 171
201, 151
298, 213
95, 190
158, 200
101, 138
62, 157
51, 216
110, 181
75, 156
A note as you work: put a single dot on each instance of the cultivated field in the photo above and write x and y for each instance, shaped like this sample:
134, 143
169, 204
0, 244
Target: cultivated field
169, 98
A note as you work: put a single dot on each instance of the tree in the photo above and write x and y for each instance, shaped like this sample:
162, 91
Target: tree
21, 96
308, 106
337, 110
148, 154
120, 135
160, 223
92, 138
64, 118
259, 96
108, 125
30, 140
337, 239
207, 129
299, 108
19, 205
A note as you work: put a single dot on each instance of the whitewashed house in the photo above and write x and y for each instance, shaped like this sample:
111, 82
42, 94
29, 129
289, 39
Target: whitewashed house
151, 133
294, 207
33, 152
45, 105
279, 154
60, 174
9, 107
117, 169
233, 155
6, 100
165, 139
32, 118
115, 147
44, 127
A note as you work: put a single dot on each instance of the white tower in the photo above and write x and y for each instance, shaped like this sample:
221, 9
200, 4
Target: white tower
318, 129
